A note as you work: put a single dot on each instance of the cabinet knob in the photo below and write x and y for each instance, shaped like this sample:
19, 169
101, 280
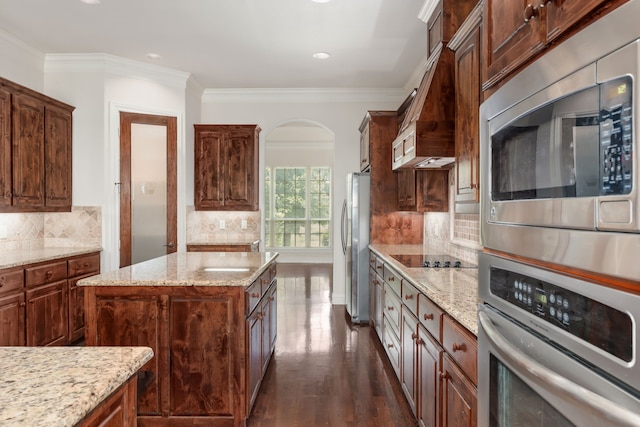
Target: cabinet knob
389, 345
408, 297
22, 304
255, 295
271, 298
379, 267
443, 375
390, 308
428, 316
49, 274
391, 279
530, 12
414, 336
420, 341
459, 347
1, 281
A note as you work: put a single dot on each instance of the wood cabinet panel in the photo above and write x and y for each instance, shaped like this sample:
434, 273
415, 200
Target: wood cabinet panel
12, 319
459, 397
428, 389
47, 314
5, 148
226, 167
254, 355
461, 346
468, 96
118, 410
199, 336
45, 273
562, 15
133, 321
76, 310
430, 316
409, 367
28, 151
57, 157
11, 280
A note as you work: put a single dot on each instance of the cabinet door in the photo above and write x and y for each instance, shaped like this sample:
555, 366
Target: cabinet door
432, 189
136, 321
28, 152
254, 353
508, 39
5, 148
459, 397
57, 144
430, 354
76, 309
365, 148
467, 119
47, 315
273, 318
12, 316
406, 189
563, 14
409, 371
201, 366
240, 158
266, 333
209, 178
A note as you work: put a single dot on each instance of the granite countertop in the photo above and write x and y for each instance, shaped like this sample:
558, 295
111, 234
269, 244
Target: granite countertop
454, 290
59, 386
189, 269
225, 243
32, 256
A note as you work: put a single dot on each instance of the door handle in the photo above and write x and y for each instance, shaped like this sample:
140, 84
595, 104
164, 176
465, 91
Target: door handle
170, 245
343, 228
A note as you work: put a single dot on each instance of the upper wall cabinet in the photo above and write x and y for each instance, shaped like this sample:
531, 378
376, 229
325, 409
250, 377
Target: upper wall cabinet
35, 151
516, 31
466, 45
226, 167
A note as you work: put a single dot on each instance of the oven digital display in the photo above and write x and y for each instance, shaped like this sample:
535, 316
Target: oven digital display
598, 324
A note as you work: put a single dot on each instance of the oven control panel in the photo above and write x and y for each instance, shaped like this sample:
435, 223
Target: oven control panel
578, 315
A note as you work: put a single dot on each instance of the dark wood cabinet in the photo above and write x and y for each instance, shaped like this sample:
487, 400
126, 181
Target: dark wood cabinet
47, 311
211, 346
515, 33
365, 149
376, 299
406, 189
429, 354
35, 155
409, 370
467, 48
226, 167
12, 319
423, 190
79, 268
459, 397
249, 247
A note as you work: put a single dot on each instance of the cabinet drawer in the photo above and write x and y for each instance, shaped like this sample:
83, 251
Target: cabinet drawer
391, 345
461, 346
392, 308
430, 316
84, 265
11, 280
48, 273
410, 297
393, 279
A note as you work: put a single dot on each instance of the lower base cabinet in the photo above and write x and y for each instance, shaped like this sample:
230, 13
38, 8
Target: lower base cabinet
12, 319
459, 397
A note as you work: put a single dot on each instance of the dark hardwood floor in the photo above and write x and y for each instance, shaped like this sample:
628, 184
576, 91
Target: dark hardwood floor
325, 371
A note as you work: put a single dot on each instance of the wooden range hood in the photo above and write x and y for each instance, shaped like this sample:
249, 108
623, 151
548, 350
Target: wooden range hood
426, 136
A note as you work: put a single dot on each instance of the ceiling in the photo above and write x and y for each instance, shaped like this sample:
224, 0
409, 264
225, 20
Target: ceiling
237, 43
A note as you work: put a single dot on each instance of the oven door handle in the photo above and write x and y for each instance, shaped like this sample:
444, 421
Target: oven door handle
597, 406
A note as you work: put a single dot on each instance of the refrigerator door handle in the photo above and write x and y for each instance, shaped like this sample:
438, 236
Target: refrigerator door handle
343, 227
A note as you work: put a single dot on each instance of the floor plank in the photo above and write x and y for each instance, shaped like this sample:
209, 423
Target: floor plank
325, 371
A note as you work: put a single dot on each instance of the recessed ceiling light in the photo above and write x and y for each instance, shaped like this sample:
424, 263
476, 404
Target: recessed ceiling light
321, 55
91, 1
153, 56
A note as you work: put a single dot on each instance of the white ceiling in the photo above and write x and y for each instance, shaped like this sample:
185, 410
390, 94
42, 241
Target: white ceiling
237, 43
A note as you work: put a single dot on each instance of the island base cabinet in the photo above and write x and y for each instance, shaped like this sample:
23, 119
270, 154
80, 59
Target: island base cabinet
198, 375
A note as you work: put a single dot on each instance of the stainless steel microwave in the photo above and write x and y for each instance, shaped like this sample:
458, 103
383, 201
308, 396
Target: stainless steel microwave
559, 152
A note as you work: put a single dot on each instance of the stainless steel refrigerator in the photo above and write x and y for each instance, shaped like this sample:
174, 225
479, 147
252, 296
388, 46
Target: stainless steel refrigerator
355, 246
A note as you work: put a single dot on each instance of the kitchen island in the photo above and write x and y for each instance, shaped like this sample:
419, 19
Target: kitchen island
210, 318
69, 386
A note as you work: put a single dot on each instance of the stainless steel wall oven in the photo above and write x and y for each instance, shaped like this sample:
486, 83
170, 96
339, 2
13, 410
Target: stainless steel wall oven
553, 350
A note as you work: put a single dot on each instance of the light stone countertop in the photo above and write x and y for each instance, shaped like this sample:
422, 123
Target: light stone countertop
32, 256
189, 269
224, 243
454, 290
59, 386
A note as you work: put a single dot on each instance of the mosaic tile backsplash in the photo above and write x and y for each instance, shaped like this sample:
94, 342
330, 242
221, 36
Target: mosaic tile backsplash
204, 226
79, 228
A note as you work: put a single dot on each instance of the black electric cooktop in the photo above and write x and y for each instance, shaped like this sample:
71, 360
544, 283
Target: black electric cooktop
431, 261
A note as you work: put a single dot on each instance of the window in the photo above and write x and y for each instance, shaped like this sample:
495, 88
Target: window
298, 207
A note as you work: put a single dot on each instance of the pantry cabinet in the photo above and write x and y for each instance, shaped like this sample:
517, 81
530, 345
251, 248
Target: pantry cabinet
35, 151
516, 32
226, 167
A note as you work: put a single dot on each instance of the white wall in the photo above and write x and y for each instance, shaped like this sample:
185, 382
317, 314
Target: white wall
20, 63
341, 112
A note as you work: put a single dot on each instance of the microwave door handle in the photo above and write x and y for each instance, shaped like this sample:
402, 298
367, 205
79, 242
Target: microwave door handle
597, 406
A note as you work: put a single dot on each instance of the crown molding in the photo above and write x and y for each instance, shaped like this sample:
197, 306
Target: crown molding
427, 10
473, 20
111, 64
309, 95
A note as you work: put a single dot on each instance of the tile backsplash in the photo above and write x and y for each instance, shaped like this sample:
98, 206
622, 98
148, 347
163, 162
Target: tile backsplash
82, 227
204, 226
